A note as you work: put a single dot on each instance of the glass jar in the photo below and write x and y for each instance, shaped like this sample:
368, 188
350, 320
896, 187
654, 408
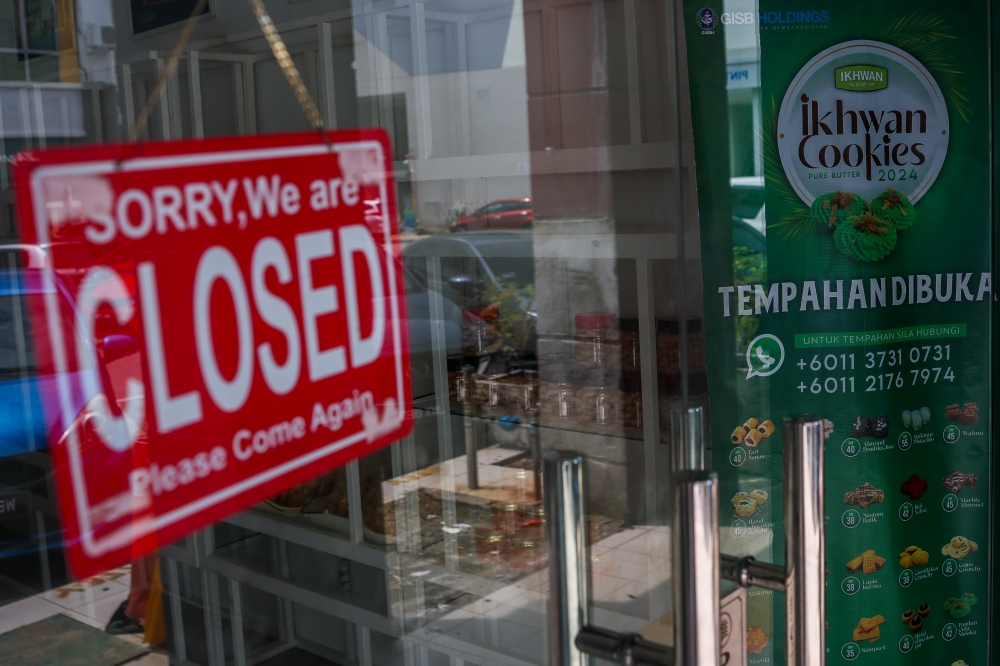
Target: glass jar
556, 393
596, 399
519, 485
527, 555
630, 402
594, 340
522, 387
459, 382
628, 342
534, 522
507, 517
668, 342
490, 388
480, 335
491, 544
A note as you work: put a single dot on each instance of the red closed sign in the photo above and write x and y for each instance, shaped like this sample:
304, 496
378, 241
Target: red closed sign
214, 321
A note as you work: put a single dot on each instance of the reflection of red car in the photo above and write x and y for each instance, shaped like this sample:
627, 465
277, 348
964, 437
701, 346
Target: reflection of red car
500, 214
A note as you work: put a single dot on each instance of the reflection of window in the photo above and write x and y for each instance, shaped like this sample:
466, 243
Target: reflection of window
16, 355
38, 41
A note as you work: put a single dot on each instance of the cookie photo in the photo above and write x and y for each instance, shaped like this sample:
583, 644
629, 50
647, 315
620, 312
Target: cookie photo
859, 428
880, 426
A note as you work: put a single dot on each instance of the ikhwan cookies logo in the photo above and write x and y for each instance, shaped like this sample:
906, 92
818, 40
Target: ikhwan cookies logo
862, 116
862, 134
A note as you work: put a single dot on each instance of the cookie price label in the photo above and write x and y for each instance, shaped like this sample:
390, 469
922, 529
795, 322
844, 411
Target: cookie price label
851, 518
738, 529
905, 511
949, 502
951, 434
850, 585
906, 578
905, 441
851, 447
905, 644
949, 631
737, 456
949, 567
850, 651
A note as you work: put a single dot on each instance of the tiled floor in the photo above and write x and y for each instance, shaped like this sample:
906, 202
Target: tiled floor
630, 573
92, 601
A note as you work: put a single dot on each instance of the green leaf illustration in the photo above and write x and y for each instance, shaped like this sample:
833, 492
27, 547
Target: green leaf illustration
796, 221
925, 37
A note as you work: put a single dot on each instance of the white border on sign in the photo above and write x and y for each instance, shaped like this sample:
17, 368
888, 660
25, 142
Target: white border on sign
138, 529
863, 46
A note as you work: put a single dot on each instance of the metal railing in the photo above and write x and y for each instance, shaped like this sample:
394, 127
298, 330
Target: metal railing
698, 566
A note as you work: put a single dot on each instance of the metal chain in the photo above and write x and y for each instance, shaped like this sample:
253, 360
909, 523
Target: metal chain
166, 72
287, 66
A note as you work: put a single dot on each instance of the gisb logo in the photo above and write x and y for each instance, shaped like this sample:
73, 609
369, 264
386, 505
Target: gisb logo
737, 18
707, 18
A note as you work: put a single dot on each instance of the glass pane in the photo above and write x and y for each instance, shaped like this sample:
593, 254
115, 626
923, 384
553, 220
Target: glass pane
535, 160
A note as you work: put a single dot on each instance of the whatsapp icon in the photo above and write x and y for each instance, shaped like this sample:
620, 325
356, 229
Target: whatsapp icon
765, 354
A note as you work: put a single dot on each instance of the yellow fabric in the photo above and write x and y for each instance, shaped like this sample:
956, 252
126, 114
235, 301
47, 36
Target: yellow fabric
155, 623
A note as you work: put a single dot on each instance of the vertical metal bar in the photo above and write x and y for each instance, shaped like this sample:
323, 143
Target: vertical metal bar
446, 448
239, 647
679, 172
687, 423
39, 117
364, 646
129, 99
383, 76
465, 133
4, 180
95, 106
172, 94
176, 613
43, 551
249, 96
213, 617
240, 102
327, 85
23, 25
354, 515
566, 527
194, 82
422, 96
696, 568
25, 116
804, 542
632, 66
352, 630
650, 390
471, 452
164, 104
288, 612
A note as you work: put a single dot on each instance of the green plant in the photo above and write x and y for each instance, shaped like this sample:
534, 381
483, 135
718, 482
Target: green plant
748, 268
517, 321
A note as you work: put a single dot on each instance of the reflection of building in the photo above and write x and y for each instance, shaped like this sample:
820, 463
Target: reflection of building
575, 105
55, 61
743, 85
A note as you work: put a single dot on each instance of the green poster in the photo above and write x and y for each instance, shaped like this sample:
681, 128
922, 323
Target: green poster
868, 303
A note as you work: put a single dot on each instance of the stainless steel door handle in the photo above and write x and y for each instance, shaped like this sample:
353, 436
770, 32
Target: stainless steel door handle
803, 578
805, 559
696, 573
